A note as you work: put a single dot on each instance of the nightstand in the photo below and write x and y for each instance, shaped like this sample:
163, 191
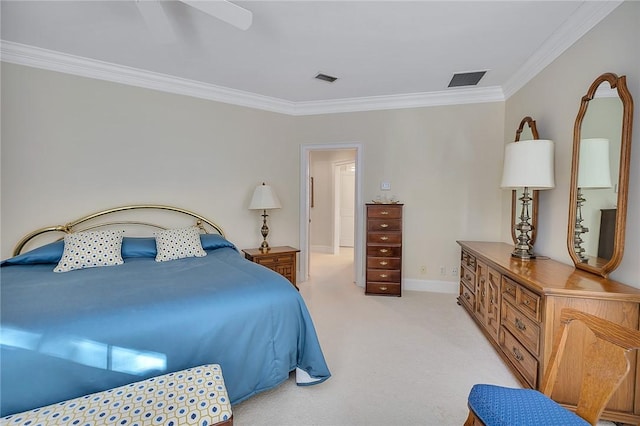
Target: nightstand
280, 259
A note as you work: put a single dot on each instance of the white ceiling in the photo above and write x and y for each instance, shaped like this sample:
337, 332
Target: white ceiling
385, 53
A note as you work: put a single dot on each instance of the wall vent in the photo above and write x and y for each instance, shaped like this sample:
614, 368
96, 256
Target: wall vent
466, 78
325, 77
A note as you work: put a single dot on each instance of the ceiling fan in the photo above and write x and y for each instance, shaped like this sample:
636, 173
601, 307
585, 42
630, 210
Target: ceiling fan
224, 10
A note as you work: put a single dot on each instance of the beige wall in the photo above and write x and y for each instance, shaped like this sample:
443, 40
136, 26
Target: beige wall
553, 98
72, 145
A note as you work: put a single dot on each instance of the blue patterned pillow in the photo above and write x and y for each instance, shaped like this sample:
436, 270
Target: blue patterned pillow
175, 244
90, 250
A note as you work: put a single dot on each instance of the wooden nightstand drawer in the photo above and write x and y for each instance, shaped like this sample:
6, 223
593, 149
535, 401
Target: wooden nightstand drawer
273, 260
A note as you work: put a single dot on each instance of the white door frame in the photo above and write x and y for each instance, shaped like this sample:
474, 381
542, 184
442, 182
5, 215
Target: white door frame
305, 208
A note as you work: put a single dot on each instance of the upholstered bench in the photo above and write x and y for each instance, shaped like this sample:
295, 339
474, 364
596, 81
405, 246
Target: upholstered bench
196, 396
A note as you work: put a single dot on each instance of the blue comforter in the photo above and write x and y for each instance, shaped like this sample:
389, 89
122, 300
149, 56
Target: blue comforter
66, 335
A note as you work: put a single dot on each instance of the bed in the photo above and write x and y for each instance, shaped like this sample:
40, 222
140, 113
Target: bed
69, 334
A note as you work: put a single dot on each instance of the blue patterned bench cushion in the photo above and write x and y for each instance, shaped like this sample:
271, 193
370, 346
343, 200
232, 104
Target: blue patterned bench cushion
500, 406
195, 396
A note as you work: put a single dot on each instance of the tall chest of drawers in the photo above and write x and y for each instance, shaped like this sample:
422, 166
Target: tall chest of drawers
384, 249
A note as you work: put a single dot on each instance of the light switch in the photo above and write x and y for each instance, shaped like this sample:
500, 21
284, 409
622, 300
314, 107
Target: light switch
385, 186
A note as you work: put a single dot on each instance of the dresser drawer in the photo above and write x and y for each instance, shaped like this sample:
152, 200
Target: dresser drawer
524, 362
383, 263
383, 288
468, 277
384, 225
384, 237
468, 260
525, 330
383, 275
509, 289
384, 211
383, 251
467, 297
528, 302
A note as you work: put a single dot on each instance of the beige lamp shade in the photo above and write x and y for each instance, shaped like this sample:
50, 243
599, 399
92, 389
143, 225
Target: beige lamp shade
264, 198
593, 165
528, 164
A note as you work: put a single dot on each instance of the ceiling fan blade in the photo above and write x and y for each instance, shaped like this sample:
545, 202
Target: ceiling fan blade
225, 11
156, 20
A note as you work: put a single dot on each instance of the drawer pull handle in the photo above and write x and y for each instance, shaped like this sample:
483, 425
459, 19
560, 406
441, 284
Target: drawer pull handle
384, 250
384, 238
520, 325
517, 354
384, 275
384, 263
384, 225
384, 212
383, 288
526, 302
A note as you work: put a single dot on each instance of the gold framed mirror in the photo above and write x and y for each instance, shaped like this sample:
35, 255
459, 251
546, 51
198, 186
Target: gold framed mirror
526, 131
600, 176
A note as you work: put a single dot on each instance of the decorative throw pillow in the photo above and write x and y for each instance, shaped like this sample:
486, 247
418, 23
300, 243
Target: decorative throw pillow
175, 244
90, 250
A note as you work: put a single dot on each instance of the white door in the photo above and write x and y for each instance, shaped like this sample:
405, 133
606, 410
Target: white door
347, 188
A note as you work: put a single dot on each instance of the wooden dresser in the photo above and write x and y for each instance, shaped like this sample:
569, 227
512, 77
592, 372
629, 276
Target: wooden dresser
517, 306
384, 249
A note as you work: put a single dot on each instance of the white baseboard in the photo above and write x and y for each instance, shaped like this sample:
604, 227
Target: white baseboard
451, 287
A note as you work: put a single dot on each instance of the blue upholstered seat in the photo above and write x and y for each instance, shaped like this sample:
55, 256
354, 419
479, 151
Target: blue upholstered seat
500, 406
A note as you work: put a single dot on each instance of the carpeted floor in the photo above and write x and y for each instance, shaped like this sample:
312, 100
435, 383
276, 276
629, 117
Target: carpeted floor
394, 361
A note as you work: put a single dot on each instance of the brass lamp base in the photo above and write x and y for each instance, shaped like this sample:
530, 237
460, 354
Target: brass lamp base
264, 247
523, 249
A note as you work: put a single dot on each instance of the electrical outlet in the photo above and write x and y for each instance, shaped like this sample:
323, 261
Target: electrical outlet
454, 271
443, 270
423, 270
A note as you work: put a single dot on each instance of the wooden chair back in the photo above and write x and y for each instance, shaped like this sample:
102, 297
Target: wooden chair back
605, 363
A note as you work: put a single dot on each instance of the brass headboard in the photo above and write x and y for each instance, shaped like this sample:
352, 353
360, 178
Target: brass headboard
75, 226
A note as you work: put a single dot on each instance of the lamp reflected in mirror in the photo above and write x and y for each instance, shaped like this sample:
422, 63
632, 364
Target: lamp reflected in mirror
594, 172
527, 165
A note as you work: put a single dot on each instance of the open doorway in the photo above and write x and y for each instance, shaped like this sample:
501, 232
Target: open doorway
330, 219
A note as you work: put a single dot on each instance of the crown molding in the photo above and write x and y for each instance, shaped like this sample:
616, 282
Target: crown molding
410, 100
36, 57
577, 25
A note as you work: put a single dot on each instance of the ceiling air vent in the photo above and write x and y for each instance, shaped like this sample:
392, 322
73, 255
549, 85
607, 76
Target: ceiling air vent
466, 78
325, 77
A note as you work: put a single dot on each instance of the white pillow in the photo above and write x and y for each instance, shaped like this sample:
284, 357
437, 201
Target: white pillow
90, 250
175, 244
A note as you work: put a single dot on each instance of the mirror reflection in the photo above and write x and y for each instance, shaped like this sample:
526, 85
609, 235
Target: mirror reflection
598, 162
600, 173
